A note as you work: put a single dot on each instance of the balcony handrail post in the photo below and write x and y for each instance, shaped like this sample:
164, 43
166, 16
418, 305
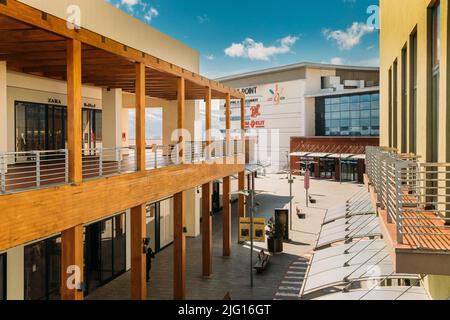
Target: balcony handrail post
119, 160
100, 166
155, 154
399, 166
3, 170
66, 165
38, 168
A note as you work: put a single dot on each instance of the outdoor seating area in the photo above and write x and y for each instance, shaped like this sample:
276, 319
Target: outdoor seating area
352, 261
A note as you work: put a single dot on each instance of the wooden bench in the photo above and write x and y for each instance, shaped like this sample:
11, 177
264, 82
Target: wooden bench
263, 262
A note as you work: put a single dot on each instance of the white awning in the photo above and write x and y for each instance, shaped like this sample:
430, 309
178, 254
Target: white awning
318, 155
300, 154
359, 157
339, 155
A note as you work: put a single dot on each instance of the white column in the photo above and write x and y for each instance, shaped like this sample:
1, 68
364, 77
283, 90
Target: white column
15, 273
112, 118
3, 108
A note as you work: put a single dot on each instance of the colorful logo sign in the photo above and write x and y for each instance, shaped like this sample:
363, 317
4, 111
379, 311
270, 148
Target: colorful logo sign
256, 111
277, 95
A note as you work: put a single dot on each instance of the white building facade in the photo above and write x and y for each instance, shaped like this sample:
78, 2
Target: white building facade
281, 103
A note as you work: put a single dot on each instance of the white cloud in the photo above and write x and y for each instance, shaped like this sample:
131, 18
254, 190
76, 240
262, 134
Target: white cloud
253, 50
210, 57
349, 38
130, 2
203, 19
152, 13
337, 61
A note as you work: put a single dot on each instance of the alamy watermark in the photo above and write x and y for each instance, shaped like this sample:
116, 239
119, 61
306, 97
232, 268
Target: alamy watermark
374, 17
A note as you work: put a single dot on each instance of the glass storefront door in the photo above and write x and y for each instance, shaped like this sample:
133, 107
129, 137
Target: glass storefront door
327, 168
92, 129
160, 224
349, 170
2, 276
105, 251
43, 270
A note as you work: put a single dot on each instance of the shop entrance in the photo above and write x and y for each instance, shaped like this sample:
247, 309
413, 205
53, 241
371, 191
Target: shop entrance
2, 277
105, 251
350, 171
327, 169
40, 127
160, 224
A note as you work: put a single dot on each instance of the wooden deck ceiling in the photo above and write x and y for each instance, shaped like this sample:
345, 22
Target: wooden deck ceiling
33, 42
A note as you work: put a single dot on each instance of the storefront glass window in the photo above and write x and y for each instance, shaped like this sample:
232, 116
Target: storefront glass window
44, 127
2, 277
355, 115
43, 270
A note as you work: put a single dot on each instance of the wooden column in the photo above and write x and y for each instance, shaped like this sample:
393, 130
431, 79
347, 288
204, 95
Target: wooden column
72, 254
207, 229
243, 126
181, 103
140, 116
206, 198
241, 202
138, 257
226, 217
74, 102
228, 121
208, 121
179, 249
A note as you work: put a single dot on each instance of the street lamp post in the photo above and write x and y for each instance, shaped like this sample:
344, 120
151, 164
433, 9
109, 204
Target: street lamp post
251, 193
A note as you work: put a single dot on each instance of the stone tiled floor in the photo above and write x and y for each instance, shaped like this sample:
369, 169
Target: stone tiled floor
233, 274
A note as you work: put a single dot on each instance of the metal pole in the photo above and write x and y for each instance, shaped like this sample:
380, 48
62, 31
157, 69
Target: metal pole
307, 195
252, 197
291, 182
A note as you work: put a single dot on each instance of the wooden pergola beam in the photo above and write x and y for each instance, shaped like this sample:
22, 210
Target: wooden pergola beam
58, 27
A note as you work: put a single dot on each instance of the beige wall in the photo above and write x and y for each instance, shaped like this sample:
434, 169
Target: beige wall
404, 16
101, 17
398, 21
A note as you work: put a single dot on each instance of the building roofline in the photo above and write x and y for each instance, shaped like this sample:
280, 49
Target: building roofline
289, 67
343, 92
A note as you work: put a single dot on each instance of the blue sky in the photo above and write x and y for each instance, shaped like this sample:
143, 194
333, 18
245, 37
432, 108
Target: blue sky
239, 36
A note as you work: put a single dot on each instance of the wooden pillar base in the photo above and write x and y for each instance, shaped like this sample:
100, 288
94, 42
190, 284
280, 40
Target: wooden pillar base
138, 256
241, 203
179, 247
207, 230
226, 217
72, 255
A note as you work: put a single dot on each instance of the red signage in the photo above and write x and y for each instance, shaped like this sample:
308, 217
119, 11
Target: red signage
255, 124
307, 180
256, 111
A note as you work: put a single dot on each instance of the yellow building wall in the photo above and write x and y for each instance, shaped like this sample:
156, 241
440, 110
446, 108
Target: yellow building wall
398, 20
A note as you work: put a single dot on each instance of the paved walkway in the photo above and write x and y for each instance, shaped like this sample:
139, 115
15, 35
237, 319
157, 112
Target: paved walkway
284, 276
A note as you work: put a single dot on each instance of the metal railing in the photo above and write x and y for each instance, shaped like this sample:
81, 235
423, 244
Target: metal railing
199, 151
32, 169
161, 156
103, 162
37, 169
416, 197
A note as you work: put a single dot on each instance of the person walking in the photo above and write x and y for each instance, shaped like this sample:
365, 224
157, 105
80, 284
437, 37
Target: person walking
149, 256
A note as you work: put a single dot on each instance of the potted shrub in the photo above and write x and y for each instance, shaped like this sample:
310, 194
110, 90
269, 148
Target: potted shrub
274, 238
